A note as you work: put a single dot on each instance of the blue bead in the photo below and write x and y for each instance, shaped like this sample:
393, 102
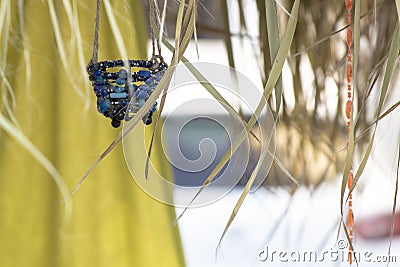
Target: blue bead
147, 119
120, 81
152, 88
158, 76
150, 80
140, 102
144, 87
144, 74
97, 73
103, 104
103, 92
118, 89
99, 79
123, 103
118, 95
141, 94
122, 74
99, 87
153, 108
100, 99
115, 123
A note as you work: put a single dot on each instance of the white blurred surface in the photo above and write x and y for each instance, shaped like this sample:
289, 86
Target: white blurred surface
310, 224
306, 222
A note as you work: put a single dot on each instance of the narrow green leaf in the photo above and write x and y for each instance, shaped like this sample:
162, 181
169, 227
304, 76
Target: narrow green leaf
178, 30
389, 110
227, 35
263, 39
188, 14
115, 28
284, 169
394, 201
274, 42
195, 30
398, 9
348, 163
60, 43
392, 58
242, 19
245, 192
164, 13
351, 247
189, 23
363, 162
383, 115
76, 29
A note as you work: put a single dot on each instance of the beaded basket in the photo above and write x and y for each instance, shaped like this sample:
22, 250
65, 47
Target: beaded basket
120, 91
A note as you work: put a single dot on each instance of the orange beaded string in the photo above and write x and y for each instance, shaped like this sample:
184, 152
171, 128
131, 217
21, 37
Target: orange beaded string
348, 111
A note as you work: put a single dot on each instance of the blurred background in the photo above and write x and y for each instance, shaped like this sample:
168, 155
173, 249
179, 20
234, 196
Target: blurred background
310, 136
51, 133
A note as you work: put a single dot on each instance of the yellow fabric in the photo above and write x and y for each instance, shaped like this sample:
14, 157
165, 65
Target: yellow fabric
113, 222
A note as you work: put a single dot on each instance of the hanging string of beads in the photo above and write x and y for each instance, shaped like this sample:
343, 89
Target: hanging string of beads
122, 87
348, 111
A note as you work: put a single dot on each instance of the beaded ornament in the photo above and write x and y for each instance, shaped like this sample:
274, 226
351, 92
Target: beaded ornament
122, 87
120, 91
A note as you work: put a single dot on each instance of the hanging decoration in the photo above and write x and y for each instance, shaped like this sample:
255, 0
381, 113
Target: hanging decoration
123, 86
348, 112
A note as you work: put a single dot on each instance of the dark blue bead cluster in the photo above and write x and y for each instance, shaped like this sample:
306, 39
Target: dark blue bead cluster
115, 90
